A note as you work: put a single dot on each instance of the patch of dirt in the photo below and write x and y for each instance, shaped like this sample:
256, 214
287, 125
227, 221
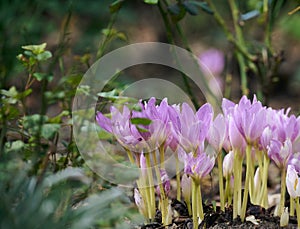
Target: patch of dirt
222, 220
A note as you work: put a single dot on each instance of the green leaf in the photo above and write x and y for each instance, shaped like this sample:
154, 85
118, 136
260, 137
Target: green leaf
122, 36
35, 49
191, 8
44, 56
11, 95
174, 9
58, 118
250, 15
41, 76
15, 146
49, 130
153, 2
108, 94
108, 32
142, 130
54, 96
177, 12
32, 123
203, 5
115, 6
140, 121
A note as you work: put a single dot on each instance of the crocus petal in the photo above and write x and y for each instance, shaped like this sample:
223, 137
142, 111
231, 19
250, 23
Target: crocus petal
213, 60
236, 138
228, 164
186, 187
104, 122
217, 132
227, 106
292, 182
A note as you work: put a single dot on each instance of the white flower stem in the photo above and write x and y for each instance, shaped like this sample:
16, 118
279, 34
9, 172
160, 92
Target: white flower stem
298, 212
200, 206
130, 156
163, 197
247, 182
292, 207
221, 184
178, 196
151, 186
236, 184
282, 192
228, 193
194, 204
264, 191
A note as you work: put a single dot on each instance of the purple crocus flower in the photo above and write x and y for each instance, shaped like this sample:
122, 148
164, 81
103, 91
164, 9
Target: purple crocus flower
140, 138
193, 127
213, 59
227, 106
165, 182
218, 133
228, 164
186, 186
250, 119
143, 165
265, 138
197, 166
280, 152
212, 64
159, 131
120, 125
236, 139
284, 126
295, 161
138, 199
292, 182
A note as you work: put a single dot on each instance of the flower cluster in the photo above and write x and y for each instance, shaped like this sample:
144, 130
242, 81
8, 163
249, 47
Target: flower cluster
246, 132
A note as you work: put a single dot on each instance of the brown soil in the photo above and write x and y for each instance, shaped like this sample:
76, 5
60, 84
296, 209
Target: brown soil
222, 220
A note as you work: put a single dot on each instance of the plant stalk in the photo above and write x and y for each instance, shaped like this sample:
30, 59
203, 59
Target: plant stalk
247, 182
194, 204
178, 191
221, 183
283, 190
151, 186
298, 212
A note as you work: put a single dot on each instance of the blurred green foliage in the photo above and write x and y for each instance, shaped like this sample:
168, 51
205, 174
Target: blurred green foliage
46, 47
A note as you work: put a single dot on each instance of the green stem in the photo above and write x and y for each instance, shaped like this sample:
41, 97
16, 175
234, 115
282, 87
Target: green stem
178, 194
2, 135
292, 207
228, 81
241, 42
298, 212
171, 40
228, 33
264, 192
282, 192
107, 37
162, 155
236, 185
163, 197
130, 156
151, 186
228, 192
142, 187
194, 204
200, 207
221, 184
247, 182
